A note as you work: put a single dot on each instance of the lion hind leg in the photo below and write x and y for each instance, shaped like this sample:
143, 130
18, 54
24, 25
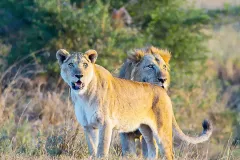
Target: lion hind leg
166, 144
163, 131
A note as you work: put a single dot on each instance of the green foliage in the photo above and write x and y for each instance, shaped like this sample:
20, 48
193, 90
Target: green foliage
78, 25
17, 137
23, 28
171, 25
5, 142
53, 145
226, 11
58, 24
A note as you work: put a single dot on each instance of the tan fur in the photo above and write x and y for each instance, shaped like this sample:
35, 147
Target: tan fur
134, 69
105, 103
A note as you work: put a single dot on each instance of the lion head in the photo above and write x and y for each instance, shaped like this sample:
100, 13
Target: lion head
148, 64
77, 69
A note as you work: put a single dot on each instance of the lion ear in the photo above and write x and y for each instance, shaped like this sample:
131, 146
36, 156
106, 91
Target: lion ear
91, 55
165, 54
135, 55
62, 55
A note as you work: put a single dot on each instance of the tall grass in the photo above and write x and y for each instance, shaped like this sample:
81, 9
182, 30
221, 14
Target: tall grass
39, 123
37, 120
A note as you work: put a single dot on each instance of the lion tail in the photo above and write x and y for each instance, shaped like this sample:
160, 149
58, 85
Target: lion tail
204, 136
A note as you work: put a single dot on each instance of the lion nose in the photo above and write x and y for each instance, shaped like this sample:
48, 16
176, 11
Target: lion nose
78, 76
162, 80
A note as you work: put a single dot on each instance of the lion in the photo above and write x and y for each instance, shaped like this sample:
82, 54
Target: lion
103, 103
148, 64
121, 18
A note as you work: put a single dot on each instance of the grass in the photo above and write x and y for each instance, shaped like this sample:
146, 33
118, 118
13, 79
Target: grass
39, 123
37, 120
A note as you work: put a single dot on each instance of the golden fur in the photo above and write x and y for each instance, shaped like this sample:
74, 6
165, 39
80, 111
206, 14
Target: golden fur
103, 103
136, 68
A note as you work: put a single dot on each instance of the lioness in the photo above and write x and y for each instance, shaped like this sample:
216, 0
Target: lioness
151, 65
103, 103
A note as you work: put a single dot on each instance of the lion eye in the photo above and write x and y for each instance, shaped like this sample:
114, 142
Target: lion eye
150, 66
70, 65
85, 65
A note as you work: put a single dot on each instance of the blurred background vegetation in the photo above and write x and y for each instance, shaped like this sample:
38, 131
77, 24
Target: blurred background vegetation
36, 117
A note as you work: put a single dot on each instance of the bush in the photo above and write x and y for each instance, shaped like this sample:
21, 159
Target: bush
58, 24
169, 24
80, 25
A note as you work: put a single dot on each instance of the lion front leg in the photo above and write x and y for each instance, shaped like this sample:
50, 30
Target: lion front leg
144, 147
128, 143
92, 140
105, 135
149, 147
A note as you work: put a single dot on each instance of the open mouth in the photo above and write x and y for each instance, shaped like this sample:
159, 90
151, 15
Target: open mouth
77, 85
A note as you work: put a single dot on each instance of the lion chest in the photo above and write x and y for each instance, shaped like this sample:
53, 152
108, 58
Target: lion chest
88, 115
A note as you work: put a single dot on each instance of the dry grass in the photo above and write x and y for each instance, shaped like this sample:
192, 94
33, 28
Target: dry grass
38, 123
225, 50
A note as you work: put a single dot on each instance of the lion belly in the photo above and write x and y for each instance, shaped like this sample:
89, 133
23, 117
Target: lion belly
129, 119
128, 124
